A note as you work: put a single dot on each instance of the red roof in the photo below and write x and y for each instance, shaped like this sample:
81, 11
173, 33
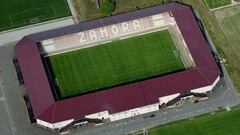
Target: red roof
35, 80
123, 97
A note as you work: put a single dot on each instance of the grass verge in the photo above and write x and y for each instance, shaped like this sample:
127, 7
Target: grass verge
224, 123
87, 9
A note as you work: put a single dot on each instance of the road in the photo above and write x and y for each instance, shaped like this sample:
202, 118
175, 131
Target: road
5, 128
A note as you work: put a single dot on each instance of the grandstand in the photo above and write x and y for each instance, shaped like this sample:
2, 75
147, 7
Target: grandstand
114, 63
62, 73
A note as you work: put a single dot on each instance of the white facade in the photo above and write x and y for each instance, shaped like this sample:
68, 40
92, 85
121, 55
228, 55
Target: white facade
124, 114
134, 112
206, 88
128, 113
58, 125
99, 115
166, 99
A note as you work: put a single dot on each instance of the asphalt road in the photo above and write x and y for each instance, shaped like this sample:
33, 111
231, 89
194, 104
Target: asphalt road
5, 128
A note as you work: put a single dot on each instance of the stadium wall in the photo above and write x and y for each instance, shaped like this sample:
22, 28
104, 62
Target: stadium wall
134, 112
148, 108
99, 115
128, 113
166, 99
124, 114
206, 88
58, 125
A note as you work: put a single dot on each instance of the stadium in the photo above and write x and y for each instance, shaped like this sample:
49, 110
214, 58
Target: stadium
116, 67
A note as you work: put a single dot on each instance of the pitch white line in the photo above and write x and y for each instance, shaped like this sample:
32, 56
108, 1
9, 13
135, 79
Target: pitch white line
78, 48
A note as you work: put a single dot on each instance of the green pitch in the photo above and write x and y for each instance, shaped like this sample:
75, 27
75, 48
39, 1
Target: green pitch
16, 13
114, 63
223, 123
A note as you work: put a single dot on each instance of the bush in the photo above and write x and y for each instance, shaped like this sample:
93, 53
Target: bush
108, 6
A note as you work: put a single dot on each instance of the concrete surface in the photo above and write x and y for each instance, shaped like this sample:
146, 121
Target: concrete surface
17, 34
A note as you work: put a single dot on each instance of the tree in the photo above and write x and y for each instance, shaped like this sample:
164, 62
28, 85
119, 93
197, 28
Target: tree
108, 6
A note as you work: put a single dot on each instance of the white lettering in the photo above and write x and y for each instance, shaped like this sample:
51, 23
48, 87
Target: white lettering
82, 37
103, 32
125, 27
136, 25
93, 35
114, 29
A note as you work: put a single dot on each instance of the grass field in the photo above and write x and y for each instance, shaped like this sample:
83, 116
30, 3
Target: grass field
217, 3
223, 123
87, 9
229, 19
115, 63
16, 13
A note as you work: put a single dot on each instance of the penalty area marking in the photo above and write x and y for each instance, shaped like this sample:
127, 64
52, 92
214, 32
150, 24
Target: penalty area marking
144, 33
78, 48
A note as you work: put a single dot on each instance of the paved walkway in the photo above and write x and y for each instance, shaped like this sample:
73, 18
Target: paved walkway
17, 34
13, 115
6, 128
72, 9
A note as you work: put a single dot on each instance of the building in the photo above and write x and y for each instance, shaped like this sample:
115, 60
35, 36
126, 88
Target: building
122, 101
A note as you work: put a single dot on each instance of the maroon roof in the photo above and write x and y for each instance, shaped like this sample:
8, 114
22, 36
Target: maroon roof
123, 97
114, 100
83, 26
34, 76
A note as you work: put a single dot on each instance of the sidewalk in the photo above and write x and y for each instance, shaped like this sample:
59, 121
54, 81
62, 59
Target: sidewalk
17, 34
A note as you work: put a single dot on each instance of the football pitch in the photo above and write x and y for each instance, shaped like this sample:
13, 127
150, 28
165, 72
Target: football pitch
223, 123
17, 13
114, 63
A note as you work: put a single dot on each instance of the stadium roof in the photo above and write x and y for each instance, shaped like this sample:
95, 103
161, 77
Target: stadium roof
120, 98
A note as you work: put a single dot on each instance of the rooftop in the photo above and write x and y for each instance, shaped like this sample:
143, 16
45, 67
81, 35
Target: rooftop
124, 97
